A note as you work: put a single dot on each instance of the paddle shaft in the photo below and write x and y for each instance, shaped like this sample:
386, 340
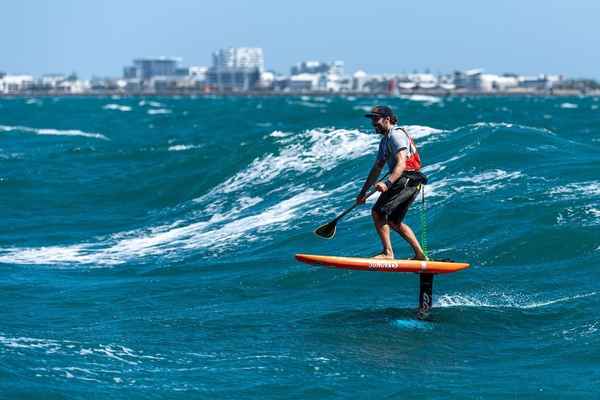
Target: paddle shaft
369, 194
353, 206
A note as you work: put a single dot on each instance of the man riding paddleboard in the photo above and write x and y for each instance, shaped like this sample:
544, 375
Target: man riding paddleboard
399, 190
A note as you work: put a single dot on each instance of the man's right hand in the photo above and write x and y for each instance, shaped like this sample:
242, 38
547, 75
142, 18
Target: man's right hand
361, 199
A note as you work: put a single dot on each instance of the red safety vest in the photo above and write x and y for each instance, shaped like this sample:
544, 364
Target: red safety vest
413, 161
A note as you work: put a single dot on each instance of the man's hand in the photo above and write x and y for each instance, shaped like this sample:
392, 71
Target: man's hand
361, 199
381, 187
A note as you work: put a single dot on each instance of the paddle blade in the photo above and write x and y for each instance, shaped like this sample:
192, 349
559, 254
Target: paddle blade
326, 231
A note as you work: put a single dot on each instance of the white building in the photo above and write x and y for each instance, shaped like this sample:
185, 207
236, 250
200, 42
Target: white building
304, 82
12, 84
198, 73
148, 68
318, 67
540, 82
236, 69
492, 83
239, 58
359, 79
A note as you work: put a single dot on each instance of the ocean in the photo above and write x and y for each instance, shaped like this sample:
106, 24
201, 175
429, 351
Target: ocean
147, 250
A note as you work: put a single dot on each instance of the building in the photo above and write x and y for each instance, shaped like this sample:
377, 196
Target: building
318, 67
236, 69
359, 79
13, 84
541, 82
304, 82
148, 68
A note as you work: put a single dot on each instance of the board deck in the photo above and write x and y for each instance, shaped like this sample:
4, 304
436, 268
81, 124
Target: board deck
381, 265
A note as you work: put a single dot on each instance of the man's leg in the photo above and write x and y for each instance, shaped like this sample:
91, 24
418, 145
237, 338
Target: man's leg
408, 235
383, 229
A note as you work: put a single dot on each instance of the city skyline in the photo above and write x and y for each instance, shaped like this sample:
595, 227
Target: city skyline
98, 39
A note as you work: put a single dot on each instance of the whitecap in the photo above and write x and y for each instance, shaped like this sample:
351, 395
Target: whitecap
501, 300
280, 134
159, 111
220, 233
576, 190
117, 107
53, 132
569, 105
183, 147
421, 98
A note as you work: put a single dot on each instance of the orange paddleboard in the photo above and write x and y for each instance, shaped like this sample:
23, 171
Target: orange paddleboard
373, 264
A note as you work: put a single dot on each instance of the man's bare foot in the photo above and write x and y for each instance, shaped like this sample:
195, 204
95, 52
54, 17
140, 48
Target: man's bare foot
384, 256
420, 257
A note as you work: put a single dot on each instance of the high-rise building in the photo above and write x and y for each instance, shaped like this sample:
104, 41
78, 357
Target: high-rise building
148, 68
236, 69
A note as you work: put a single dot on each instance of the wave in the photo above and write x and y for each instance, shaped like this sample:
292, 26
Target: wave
52, 132
502, 125
569, 105
421, 98
159, 111
484, 182
184, 147
576, 190
501, 300
155, 104
220, 233
319, 149
95, 355
116, 107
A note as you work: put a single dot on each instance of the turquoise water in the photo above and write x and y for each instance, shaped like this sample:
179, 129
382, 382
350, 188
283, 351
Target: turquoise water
147, 246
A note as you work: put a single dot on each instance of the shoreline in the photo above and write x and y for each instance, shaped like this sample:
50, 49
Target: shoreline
187, 93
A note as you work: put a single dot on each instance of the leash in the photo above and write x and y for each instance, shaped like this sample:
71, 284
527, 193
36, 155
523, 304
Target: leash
423, 221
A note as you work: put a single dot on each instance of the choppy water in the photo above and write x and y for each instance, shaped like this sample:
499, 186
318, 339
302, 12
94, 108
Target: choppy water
146, 250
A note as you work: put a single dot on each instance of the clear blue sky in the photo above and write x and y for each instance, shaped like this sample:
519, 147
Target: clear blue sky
100, 37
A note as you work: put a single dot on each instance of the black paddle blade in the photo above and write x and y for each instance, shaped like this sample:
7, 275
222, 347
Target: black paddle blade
326, 231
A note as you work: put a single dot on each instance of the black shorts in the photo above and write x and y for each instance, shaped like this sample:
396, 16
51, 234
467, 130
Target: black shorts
394, 203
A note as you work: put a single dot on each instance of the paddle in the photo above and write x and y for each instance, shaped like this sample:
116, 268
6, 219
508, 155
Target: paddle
327, 231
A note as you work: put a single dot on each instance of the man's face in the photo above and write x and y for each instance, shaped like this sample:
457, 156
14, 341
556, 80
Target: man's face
380, 124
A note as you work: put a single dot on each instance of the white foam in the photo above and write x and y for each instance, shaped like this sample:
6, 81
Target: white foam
220, 233
440, 166
576, 190
501, 300
159, 111
150, 103
421, 98
280, 134
77, 349
502, 125
117, 107
183, 147
485, 182
569, 105
53, 132
420, 131
319, 149
587, 330
366, 109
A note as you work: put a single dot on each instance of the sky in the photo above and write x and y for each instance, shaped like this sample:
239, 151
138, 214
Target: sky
99, 38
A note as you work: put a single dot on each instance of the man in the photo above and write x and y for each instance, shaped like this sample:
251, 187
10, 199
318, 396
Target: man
399, 190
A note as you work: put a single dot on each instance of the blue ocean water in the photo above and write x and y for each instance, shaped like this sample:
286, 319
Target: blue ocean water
147, 244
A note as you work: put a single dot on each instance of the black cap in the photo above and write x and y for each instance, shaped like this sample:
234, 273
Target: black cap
381, 112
